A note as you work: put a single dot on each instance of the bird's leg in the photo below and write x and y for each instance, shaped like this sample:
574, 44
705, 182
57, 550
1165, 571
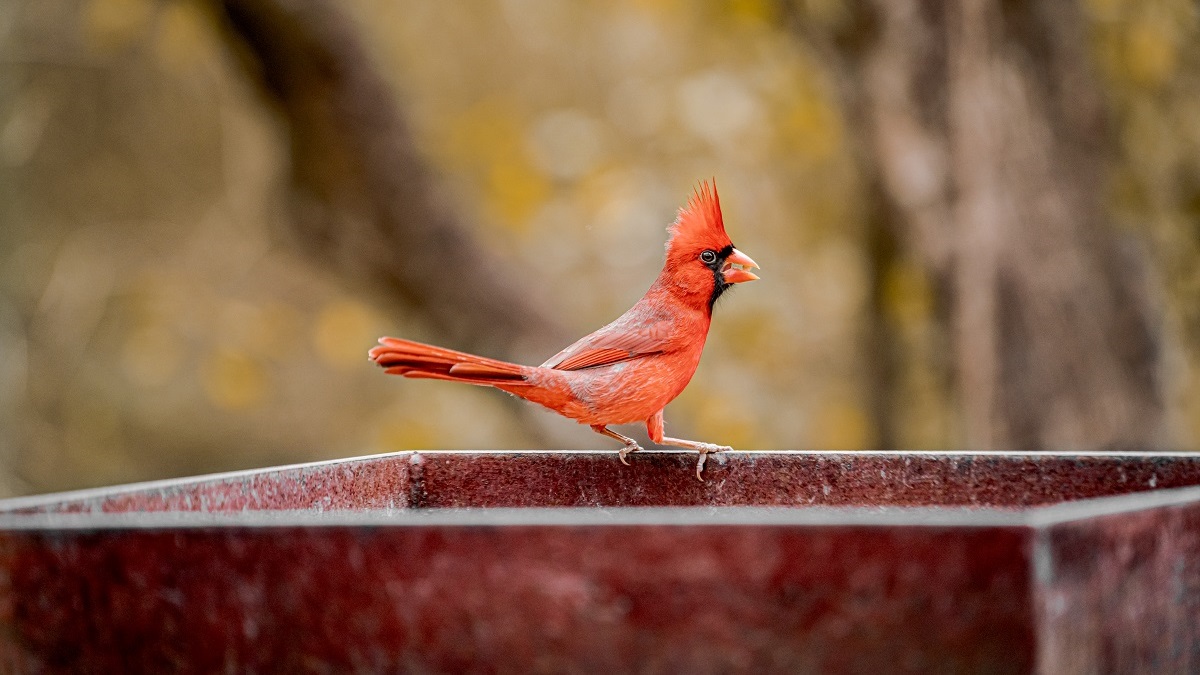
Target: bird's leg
698, 446
654, 427
630, 444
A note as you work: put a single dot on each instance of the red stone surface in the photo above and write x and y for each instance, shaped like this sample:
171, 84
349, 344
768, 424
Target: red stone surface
553, 479
696, 599
789, 479
1121, 593
878, 562
371, 483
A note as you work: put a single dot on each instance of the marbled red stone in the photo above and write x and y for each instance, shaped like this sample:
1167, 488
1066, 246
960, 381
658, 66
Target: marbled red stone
1121, 593
872, 562
555, 478
519, 599
379, 482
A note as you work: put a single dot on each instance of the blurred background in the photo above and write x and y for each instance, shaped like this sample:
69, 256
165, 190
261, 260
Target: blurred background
978, 222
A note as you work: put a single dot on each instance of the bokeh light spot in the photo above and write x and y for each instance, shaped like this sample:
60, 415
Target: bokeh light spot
184, 39
112, 24
344, 330
841, 425
566, 144
151, 356
515, 191
234, 381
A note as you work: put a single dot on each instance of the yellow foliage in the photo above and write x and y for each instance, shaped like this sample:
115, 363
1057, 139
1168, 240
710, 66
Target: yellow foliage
717, 419
907, 294
1103, 9
826, 12
841, 425
278, 325
257, 329
112, 24
488, 138
659, 6
515, 191
487, 133
151, 356
185, 37
234, 381
409, 433
923, 423
93, 443
811, 130
344, 330
1151, 53
754, 11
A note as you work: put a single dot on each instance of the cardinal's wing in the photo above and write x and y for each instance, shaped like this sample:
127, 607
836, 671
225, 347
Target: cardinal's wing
630, 337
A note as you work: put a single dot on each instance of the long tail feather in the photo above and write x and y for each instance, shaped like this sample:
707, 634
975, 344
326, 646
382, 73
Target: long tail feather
418, 360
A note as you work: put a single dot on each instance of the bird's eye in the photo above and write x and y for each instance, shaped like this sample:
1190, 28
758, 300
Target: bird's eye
708, 257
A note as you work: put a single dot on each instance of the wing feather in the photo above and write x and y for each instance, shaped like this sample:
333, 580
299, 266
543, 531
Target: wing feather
595, 357
630, 337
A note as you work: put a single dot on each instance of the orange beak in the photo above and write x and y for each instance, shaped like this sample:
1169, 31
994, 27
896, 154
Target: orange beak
741, 273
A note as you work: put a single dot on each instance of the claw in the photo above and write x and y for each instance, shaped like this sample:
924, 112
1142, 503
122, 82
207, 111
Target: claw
704, 450
624, 452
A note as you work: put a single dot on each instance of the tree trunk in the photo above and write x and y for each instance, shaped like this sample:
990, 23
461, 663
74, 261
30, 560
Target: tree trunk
363, 199
985, 128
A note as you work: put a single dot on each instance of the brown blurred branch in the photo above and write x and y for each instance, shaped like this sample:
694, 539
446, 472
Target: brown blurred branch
363, 200
985, 126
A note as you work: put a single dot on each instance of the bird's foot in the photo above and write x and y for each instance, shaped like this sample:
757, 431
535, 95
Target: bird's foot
624, 452
704, 449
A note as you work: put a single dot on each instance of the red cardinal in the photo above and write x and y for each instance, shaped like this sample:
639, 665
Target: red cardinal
629, 370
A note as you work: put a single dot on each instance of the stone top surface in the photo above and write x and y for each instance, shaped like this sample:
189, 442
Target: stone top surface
930, 488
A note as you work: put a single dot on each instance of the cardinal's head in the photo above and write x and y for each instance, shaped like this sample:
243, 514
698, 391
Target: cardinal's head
701, 260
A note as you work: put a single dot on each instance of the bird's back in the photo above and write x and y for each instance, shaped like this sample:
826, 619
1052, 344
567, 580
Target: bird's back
626, 371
